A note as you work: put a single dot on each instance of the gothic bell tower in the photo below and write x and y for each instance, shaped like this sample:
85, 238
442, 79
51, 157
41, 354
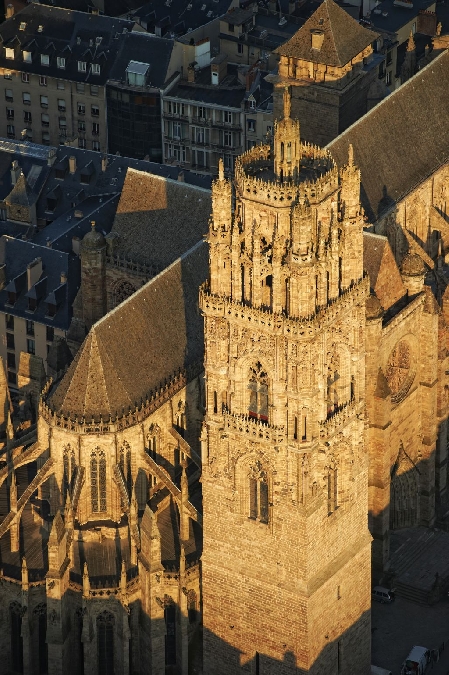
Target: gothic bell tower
286, 561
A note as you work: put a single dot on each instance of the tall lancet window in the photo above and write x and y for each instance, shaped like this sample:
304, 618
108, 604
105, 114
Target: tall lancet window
105, 643
258, 388
98, 480
69, 466
258, 494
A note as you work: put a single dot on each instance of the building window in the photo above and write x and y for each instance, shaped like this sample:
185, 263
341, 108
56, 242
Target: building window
227, 117
82, 143
10, 131
44, 101
62, 123
389, 58
61, 105
81, 108
96, 69
94, 90
258, 397
230, 27
81, 66
31, 346
98, 480
27, 56
10, 341
332, 488
7, 76
388, 78
45, 60
227, 138
9, 318
12, 377
60, 84
45, 138
8, 95
69, 466
11, 360
9, 52
9, 113
95, 111
228, 162
80, 87
202, 112
105, 643
95, 129
60, 62
43, 81
45, 120
15, 610
50, 333
239, 48
30, 327
81, 125
25, 77
251, 125
27, 116
96, 146
258, 494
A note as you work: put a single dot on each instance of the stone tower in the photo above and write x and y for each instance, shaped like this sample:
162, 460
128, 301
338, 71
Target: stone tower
286, 561
93, 276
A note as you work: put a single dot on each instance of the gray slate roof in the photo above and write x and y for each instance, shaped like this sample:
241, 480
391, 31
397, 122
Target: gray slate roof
158, 330
158, 219
344, 37
401, 141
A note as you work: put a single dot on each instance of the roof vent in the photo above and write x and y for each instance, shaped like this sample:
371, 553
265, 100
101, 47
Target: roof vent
78, 214
40, 29
98, 40
189, 6
22, 25
283, 21
78, 40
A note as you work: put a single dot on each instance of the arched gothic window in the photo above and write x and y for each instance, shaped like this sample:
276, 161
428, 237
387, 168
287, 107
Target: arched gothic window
192, 606
98, 480
154, 440
332, 488
258, 494
40, 611
122, 290
105, 643
125, 464
15, 612
69, 466
258, 398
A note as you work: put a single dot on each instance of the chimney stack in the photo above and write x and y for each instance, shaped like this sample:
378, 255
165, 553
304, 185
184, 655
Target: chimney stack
15, 171
191, 72
9, 11
34, 272
104, 163
72, 164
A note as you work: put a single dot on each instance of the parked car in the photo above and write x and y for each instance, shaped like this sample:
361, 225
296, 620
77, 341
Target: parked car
382, 594
416, 662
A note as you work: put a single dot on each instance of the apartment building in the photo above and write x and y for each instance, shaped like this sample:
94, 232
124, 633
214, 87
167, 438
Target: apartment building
217, 112
55, 64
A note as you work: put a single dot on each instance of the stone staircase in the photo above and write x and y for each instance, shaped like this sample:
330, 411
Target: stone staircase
420, 564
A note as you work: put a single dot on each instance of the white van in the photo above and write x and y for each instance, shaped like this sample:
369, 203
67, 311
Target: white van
382, 594
416, 662
375, 670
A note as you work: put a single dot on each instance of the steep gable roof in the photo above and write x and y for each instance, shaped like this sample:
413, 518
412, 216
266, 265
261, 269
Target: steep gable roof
379, 262
401, 141
158, 219
344, 37
137, 346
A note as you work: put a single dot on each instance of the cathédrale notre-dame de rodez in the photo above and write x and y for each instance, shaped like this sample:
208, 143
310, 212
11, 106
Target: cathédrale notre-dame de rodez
221, 465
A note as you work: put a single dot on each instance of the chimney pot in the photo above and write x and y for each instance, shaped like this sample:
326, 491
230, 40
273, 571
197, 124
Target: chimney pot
72, 164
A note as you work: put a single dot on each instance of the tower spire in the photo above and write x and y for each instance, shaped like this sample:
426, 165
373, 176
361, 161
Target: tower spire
287, 149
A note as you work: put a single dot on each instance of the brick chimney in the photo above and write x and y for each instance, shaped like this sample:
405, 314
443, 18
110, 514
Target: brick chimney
34, 272
72, 164
9, 11
219, 69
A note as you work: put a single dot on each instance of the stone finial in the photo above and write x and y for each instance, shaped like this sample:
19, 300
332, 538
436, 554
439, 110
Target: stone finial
24, 575
287, 103
92, 224
86, 582
182, 561
350, 155
221, 176
123, 579
439, 28
410, 43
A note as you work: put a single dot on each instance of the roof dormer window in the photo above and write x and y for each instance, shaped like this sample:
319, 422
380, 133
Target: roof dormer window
96, 69
45, 60
60, 62
27, 56
317, 39
9, 52
81, 66
22, 25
